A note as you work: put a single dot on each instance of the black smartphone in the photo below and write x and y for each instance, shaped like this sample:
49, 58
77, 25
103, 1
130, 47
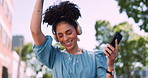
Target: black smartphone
117, 36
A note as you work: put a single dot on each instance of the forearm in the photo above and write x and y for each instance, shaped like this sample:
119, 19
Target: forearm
35, 25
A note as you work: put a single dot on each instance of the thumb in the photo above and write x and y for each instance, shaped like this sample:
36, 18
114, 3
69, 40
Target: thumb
116, 43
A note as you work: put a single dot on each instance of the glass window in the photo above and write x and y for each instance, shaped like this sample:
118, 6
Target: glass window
1, 2
0, 31
10, 17
8, 13
9, 44
4, 72
7, 10
5, 38
8, 40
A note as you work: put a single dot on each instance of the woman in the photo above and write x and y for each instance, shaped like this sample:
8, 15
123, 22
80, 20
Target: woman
73, 62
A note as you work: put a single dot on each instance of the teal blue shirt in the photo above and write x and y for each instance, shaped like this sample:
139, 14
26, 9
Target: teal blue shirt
66, 65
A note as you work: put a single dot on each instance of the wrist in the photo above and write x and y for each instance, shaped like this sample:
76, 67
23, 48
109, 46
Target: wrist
110, 73
110, 69
110, 63
111, 66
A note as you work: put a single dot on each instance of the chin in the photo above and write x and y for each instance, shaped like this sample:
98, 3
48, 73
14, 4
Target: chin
69, 48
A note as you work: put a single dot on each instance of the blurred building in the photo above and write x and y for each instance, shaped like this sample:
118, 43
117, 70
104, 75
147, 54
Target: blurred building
17, 41
6, 12
15, 69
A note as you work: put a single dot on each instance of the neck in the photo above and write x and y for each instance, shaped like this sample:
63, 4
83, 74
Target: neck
75, 51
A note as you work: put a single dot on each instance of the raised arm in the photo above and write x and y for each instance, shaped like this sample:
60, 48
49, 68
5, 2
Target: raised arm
35, 25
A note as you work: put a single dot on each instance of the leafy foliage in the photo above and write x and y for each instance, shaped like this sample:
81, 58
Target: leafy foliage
136, 9
47, 75
60, 46
26, 49
132, 48
102, 27
28, 56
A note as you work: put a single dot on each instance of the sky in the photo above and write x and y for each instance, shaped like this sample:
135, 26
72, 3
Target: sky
91, 11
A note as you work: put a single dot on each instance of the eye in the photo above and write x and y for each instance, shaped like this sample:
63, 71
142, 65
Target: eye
69, 32
60, 35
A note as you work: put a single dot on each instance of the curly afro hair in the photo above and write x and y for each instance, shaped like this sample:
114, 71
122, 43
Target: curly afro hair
65, 11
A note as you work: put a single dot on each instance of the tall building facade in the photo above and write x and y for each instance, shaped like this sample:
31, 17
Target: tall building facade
17, 41
6, 12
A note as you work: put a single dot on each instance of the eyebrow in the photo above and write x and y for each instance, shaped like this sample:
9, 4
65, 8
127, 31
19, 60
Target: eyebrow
66, 31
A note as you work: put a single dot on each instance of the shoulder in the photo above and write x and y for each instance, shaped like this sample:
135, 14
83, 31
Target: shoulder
95, 52
48, 40
46, 46
99, 54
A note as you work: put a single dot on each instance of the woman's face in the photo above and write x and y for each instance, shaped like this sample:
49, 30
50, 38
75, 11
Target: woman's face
67, 35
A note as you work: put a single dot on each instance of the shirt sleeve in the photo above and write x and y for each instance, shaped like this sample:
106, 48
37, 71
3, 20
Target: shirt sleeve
101, 64
46, 53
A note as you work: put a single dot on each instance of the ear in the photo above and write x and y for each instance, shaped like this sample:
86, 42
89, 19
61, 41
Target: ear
55, 37
79, 30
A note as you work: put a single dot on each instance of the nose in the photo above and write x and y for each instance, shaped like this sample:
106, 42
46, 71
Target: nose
66, 38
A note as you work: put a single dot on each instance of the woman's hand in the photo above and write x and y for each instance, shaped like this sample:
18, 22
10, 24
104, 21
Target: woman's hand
111, 53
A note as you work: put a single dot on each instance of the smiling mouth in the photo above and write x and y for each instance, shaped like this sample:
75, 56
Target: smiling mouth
68, 43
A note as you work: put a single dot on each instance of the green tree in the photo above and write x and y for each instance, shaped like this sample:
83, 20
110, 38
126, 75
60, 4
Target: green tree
60, 46
102, 27
47, 75
28, 56
38, 66
132, 49
24, 50
136, 9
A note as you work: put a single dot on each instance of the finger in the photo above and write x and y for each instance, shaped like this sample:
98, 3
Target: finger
110, 47
108, 51
116, 43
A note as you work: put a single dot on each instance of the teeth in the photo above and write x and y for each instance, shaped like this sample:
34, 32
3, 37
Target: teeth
68, 43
